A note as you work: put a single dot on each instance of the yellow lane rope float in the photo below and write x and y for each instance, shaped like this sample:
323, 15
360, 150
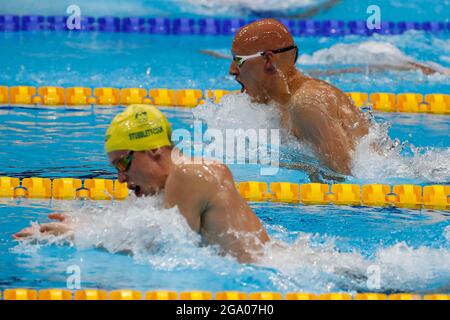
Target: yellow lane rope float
371, 195
435, 103
95, 294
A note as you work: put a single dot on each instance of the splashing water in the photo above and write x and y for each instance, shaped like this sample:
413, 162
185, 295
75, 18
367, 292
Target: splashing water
236, 111
243, 7
161, 239
367, 52
142, 228
399, 267
396, 160
447, 233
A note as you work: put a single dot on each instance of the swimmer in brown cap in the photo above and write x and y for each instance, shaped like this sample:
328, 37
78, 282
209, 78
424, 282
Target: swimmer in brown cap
264, 56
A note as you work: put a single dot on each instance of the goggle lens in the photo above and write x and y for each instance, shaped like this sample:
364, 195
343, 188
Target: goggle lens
124, 163
238, 60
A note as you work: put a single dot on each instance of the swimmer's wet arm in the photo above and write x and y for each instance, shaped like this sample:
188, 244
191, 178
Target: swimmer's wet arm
427, 70
353, 121
229, 222
369, 69
310, 117
315, 10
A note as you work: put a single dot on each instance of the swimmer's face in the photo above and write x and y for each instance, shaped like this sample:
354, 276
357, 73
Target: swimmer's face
263, 77
144, 176
251, 75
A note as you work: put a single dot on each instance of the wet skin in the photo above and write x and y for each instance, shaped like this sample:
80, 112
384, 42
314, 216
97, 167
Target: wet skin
312, 110
204, 193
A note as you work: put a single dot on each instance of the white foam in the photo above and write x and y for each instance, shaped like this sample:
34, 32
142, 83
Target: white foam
162, 239
214, 7
236, 111
313, 265
143, 228
383, 52
139, 227
392, 162
323, 267
447, 233
443, 44
413, 269
364, 53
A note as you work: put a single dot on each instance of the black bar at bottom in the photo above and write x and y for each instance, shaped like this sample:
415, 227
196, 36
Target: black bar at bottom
214, 309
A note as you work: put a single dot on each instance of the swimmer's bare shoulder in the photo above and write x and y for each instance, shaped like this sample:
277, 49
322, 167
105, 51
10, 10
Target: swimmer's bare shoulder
312, 109
189, 186
338, 105
316, 92
196, 187
325, 117
206, 195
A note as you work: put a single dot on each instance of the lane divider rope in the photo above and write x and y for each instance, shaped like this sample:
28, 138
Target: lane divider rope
210, 26
371, 195
435, 103
95, 294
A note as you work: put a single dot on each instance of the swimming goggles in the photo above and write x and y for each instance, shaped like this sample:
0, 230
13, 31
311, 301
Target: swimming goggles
124, 163
241, 59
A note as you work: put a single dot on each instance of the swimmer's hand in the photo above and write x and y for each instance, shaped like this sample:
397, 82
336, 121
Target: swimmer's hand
53, 228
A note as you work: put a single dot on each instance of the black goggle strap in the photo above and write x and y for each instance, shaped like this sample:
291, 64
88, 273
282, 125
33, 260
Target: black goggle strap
284, 49
287, 49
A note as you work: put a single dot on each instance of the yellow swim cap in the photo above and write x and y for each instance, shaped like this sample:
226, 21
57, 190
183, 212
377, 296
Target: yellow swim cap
140, 127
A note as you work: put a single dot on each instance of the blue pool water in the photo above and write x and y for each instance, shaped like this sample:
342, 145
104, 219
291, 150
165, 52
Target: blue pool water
397, 10
323, 248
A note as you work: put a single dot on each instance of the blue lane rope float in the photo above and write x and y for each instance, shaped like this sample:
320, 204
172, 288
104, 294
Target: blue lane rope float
211, 26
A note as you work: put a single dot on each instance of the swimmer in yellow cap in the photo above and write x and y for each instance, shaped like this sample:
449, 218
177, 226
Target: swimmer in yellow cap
139, 146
